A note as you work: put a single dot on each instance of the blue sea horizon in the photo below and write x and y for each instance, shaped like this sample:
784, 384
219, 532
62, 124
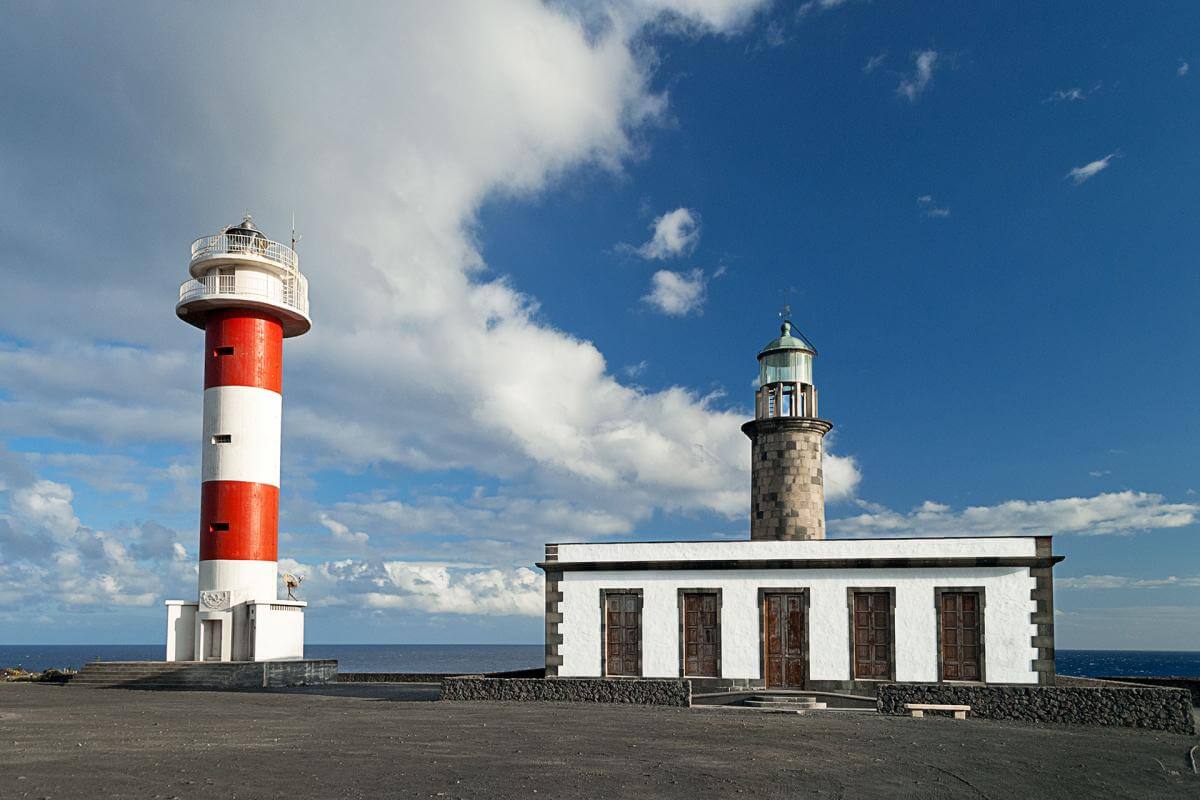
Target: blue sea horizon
464, 658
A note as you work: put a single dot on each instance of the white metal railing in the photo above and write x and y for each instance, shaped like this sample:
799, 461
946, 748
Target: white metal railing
240, 243
291, 291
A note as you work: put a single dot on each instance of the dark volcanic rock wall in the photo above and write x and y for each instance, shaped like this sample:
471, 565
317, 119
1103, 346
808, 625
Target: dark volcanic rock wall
1179, 682
1155, 708
647, 692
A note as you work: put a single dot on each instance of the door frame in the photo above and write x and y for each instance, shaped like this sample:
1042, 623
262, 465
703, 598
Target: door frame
209, 641
938, 591
680, 601
890, 591
604, 631
763, 591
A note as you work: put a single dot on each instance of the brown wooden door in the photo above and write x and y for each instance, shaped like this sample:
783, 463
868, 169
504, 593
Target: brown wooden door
701, 637
786, 633
623, 633
872, 635
960, 634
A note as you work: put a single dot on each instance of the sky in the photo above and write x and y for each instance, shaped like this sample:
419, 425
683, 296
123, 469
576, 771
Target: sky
545, 242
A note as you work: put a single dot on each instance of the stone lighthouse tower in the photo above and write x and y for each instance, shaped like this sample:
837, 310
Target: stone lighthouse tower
787, 493
247, 294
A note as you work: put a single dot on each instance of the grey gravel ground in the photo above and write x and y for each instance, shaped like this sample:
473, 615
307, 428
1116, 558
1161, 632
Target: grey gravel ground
388, 740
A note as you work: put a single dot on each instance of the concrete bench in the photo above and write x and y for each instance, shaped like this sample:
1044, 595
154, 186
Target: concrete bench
919, 709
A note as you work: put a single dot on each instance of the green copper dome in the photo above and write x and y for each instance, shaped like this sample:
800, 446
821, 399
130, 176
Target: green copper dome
788, 340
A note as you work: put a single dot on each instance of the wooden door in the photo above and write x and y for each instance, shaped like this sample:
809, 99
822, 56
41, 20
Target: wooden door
872, 635
960, 634
623, 633
786, 633
701, 636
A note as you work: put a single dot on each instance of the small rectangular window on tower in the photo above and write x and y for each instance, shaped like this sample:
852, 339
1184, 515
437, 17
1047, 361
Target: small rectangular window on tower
224, 350
218, 527
222, 438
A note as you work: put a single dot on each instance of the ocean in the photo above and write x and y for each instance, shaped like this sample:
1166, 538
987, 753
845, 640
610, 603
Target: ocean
503, 657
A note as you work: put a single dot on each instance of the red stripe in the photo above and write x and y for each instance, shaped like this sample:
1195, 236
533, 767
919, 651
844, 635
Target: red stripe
251, 513
243, 347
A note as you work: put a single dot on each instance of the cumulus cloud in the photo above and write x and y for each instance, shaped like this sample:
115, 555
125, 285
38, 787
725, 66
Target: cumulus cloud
1108, 513
912, 86
49, 560
676, 233
1183, 68
677, 294
427, 587
1078, 175
343, 534
388, 193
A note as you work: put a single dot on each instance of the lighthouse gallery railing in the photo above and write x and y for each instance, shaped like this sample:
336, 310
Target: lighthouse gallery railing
291, 292
240, 243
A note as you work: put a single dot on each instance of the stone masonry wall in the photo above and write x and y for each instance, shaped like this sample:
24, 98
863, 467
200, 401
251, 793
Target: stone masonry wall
1154, 708
787, 491
643, 692
1179, 682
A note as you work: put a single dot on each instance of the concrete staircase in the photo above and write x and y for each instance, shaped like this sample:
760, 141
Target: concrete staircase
205, 675
785, 702
161, 675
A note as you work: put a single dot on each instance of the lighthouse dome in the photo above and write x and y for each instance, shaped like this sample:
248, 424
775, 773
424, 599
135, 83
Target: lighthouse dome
786, 358
246, 228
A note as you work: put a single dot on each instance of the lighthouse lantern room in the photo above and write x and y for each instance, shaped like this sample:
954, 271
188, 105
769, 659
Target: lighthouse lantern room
247, 294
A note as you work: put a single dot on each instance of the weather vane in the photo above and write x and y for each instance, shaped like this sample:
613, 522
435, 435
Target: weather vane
786, 311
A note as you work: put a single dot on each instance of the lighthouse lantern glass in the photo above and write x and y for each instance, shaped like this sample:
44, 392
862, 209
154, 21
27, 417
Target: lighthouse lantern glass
785, 366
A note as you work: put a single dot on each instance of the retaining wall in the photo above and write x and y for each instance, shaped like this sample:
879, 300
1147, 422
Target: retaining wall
643, 692
430, 677
306, 672
1179, 682
1155, 708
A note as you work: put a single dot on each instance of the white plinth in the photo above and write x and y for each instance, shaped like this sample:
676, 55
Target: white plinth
249, 631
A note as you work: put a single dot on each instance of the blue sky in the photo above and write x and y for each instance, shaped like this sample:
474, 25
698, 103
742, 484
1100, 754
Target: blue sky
544, 246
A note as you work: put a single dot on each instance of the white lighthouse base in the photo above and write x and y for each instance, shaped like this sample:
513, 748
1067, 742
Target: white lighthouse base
249, 631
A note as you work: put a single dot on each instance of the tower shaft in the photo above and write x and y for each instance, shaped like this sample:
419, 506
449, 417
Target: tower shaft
787, 493
239, 498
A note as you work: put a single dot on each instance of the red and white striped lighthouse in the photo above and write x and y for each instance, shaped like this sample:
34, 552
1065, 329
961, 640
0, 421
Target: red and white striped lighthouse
248, 295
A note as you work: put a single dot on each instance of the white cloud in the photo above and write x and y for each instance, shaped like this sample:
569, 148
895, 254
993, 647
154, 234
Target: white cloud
430, 588
913, 86
1066, 95
874, 62
634, 371
930, 207
1108, 513
813, 6
50, 560
343, 534
1080, 174
676, 233
677, 294
401, 295
1125, 582
1183, 68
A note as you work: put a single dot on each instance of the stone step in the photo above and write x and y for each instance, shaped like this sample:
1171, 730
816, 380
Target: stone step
795, 703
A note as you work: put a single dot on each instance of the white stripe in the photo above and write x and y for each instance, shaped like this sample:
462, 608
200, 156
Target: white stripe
245, 580
251, 418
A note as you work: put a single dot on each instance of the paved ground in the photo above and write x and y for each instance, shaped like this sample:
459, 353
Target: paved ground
386, 741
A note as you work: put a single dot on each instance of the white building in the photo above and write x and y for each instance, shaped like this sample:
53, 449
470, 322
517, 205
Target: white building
790, 609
